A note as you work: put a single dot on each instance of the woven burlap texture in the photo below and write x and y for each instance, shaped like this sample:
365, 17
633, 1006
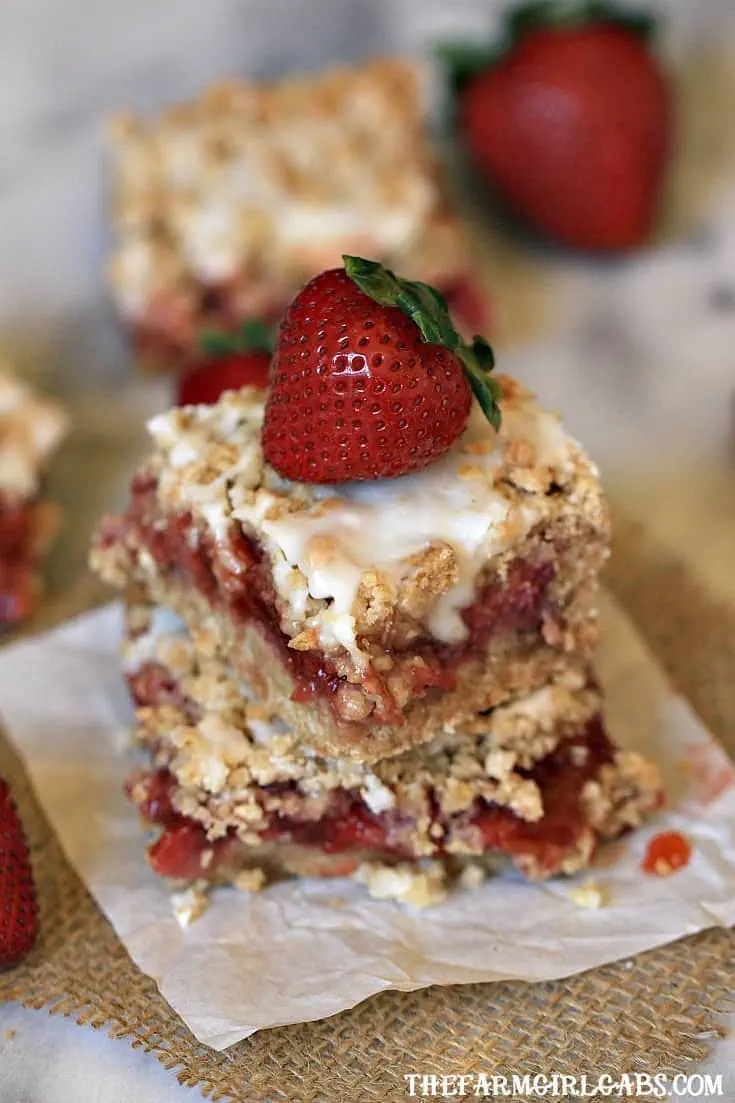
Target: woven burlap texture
646, 1014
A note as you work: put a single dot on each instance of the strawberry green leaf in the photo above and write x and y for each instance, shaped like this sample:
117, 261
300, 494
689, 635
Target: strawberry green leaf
215, 344
478, 361
574, 13
254, 335
462, 61
257, 334
429, 311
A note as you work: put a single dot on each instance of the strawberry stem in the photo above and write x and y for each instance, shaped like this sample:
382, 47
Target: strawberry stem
254, 335
429, 311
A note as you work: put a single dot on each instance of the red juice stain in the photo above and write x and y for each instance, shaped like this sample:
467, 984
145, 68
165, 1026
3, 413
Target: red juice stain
667, 853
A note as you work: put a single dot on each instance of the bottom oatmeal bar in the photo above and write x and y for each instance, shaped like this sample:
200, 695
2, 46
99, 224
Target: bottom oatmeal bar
518, 663
536, 781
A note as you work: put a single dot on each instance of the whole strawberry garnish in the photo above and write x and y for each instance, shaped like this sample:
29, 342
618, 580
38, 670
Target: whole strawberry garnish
229, 362
570, 121
18, 911
369, 378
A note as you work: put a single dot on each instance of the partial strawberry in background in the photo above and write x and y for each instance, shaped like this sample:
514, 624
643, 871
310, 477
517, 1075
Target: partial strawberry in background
469, 306
18, 909
569, 118
229, 362
370, 379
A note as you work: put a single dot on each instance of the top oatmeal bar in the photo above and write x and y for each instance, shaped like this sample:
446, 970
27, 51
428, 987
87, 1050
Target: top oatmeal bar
224, 206
368, 614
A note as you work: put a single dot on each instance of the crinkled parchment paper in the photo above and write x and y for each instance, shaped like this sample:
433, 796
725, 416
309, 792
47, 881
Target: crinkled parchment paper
302, 951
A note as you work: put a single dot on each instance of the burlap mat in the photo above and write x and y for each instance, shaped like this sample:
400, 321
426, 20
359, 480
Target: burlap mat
646, 1014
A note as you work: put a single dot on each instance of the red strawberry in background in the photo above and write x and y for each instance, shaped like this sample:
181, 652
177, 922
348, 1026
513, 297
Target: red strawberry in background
229, 363
369, 378
18, 910
570, 121
468, 304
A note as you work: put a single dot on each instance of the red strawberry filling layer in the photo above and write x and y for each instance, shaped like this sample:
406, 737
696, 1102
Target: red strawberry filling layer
238, 581
18, 533
183, 851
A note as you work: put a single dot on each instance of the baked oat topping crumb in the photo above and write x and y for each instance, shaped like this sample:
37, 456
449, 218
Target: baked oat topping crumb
579, 858
378, 797
589, 895
321, 550
305, 641
351, 704
473, 875
190, 904
498, 764
250, 880
520, 452
421, 886
512, 389
623, 793
469, 471
578, 754
479, 447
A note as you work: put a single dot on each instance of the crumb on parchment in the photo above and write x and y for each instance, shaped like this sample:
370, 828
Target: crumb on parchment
421, 887
473, 875
190, 904
249, 880
589, 895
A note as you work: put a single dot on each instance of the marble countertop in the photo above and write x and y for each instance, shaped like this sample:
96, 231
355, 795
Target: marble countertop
49, 1059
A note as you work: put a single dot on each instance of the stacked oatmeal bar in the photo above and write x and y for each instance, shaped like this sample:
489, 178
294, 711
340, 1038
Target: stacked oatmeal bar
223, 207
386, 676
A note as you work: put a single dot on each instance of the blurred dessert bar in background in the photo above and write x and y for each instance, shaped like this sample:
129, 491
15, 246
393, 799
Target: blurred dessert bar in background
224, 206
31, 428
368, 615
234, 796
